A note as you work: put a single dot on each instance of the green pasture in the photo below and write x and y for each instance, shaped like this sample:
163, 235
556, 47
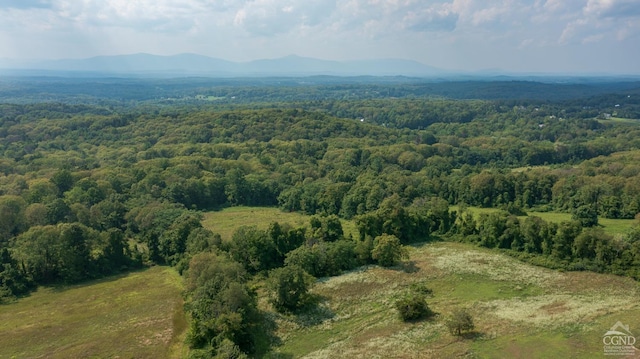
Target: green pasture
134, 315
226, 221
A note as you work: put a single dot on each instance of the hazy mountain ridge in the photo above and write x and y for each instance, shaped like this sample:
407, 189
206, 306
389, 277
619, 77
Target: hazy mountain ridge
193, 64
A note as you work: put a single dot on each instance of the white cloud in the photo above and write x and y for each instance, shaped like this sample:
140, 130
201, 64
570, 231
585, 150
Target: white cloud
144, 15
273, 17
613, 8
435, 18
604, 20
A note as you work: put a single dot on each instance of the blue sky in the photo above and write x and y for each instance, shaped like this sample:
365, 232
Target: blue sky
559, 36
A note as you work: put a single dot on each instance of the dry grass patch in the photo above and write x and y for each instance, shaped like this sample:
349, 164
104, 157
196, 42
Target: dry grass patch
451, 258
556, 310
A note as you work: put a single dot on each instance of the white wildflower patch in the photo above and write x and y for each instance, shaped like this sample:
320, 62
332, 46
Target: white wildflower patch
389, 345
334, 350
359, 275
494, 266
556, 310
379, 347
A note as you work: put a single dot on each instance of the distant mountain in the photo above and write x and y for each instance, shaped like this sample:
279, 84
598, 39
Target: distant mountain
192, 64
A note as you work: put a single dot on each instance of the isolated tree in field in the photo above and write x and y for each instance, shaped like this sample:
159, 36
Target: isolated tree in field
413, 306
387, 250
460, 322
289, 287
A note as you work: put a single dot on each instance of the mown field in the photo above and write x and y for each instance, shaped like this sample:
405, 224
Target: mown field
135, 315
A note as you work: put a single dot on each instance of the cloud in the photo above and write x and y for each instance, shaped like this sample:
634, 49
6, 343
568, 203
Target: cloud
435, 18
144, 15
389, 18
24, 4
604, 20
451, 33
273, 17
612, 8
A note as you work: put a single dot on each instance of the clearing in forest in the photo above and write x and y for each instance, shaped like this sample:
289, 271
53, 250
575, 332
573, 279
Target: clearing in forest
520, 311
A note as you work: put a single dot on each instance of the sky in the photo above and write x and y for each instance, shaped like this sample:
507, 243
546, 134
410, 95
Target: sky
549, 36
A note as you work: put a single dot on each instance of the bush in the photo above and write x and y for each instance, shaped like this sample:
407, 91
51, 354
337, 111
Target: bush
413, 307
421, 288
460, 322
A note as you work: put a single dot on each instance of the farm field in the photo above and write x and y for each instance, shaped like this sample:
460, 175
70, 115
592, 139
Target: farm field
134, 315
610, 226
520, 311
225, 222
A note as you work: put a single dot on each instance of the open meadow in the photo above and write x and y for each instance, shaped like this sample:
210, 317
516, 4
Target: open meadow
226, 221
134, 315
519, 310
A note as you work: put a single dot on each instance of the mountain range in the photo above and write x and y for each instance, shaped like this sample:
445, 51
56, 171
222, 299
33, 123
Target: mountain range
199, 65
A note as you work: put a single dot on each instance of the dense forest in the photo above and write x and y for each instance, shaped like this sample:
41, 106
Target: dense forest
96, 180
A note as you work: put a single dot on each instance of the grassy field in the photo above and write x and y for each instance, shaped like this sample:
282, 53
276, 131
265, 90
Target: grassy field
610, 226
135, 315
226, 221
520, 311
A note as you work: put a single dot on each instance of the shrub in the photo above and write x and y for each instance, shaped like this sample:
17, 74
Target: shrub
421, 288
413, 307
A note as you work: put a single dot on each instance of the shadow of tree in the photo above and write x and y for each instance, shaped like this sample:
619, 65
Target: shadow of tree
472, 335
277, 355
409, 267
316, 312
